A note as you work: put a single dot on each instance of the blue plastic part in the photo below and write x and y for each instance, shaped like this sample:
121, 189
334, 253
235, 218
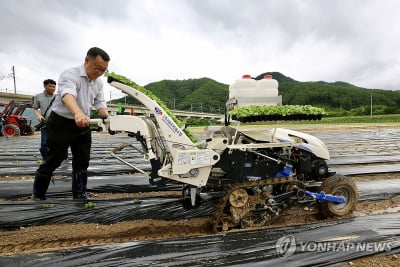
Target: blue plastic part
324, 197
304, 147
285, 173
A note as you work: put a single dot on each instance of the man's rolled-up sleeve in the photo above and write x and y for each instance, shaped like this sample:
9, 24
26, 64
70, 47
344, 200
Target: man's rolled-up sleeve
67, 84
99, 100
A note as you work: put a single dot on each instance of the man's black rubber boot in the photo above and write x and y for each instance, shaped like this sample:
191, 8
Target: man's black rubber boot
79, 182
40, 186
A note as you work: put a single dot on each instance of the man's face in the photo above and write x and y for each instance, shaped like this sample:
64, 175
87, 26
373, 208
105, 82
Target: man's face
50, 88
95, 67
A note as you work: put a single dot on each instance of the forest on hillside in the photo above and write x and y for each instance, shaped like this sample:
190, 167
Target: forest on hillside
338, 98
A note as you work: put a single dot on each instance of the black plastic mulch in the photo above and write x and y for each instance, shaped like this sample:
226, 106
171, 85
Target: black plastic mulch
108, 211
245, 248
313, 245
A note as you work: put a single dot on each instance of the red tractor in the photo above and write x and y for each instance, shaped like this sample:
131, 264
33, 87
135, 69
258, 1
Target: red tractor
12, 123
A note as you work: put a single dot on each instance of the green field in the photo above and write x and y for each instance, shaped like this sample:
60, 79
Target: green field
375, 119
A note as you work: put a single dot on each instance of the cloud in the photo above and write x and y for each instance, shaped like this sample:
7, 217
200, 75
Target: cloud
349, 40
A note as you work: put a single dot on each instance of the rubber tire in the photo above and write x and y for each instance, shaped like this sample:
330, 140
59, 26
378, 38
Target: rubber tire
11, 130
338, 185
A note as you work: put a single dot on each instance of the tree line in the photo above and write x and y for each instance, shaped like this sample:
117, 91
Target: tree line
338, 98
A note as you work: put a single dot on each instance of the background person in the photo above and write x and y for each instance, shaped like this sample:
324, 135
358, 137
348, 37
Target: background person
40, 106
41, 103
68, 125
2, 125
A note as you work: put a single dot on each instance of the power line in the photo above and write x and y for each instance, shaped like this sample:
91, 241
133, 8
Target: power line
10, 75
13, 74
7, 76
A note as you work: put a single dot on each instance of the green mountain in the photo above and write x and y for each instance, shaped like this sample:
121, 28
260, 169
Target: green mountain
277, 76
200, 95
337, 98
340, 96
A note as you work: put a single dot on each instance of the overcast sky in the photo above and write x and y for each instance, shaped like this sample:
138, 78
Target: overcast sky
356, 41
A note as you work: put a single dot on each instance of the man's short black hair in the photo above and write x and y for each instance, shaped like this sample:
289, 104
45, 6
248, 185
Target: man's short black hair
95, 51
49, 81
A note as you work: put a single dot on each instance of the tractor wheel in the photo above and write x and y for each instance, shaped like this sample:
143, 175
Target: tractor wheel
340, 186
11, 130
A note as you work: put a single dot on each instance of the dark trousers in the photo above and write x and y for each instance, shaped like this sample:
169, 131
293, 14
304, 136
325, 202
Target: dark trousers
43, 144
61, 134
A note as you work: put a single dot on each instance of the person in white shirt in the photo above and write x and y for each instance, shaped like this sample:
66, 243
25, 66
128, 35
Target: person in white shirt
68, 125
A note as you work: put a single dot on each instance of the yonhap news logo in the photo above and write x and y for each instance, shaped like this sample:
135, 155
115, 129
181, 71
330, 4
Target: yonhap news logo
287, 246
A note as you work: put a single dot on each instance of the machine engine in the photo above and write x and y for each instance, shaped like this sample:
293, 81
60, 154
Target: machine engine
259, 155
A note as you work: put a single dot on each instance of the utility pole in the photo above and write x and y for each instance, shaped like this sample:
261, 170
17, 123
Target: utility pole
13, 72
174, 103
371, 104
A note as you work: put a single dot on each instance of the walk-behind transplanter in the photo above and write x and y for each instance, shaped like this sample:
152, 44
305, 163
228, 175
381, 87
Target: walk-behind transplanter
258, 174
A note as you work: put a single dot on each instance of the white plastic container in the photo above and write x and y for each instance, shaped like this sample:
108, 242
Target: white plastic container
247, 91
268, 87
243, 87
239, 87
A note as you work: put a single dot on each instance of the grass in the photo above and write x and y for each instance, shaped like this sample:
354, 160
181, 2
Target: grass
392, 119
376, 119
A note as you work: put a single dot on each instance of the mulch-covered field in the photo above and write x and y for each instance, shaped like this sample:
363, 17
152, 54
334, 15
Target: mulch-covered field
19, 160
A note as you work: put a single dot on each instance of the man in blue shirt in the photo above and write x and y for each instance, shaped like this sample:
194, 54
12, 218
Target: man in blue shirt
68, 125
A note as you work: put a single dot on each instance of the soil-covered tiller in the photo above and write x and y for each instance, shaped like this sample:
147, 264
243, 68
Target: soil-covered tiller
258, 174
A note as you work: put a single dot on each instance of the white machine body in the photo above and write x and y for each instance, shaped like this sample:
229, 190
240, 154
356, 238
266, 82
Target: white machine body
191, 163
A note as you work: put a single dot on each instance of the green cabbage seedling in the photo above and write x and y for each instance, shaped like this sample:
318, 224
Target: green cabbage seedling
90, 205
137, 201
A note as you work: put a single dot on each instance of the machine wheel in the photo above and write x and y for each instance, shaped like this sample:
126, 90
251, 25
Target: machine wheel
238, 198
319, 169
11, 130
341, 186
